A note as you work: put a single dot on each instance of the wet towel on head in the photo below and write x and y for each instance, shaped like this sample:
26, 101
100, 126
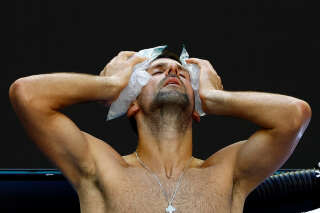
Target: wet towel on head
140, 77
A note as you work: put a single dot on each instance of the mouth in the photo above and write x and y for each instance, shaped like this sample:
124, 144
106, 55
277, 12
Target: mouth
172, 81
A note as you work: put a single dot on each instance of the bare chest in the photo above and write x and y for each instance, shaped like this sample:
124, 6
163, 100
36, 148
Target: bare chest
200, 190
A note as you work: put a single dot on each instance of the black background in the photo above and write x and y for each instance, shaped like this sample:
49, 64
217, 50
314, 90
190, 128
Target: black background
266, 46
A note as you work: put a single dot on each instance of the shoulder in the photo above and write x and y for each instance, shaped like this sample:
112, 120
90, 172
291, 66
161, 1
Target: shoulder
226, 155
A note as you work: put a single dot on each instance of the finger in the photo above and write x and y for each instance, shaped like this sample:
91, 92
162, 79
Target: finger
220, 83
194, 61
102, 73
136, 59
201, 63
113, 60
126, 54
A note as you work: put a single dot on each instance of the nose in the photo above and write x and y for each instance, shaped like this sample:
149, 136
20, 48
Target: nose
173, 70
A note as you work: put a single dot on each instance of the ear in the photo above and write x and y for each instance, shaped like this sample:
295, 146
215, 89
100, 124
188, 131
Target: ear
133, 109
196, 116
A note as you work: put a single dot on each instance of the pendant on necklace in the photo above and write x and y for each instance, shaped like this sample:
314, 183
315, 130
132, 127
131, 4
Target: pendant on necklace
170, 209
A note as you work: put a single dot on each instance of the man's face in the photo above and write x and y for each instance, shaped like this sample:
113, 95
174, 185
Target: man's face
158, 93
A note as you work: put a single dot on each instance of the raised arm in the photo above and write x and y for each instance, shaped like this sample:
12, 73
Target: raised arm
283, 120
37, 100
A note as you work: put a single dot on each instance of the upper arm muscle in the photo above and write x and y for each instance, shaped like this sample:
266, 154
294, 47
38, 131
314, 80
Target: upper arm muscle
261, 155
61, 141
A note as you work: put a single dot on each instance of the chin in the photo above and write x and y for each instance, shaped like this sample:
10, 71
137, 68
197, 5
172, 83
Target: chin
172, 97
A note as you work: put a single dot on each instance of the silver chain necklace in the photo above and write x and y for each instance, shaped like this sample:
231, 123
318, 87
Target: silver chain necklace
170, 208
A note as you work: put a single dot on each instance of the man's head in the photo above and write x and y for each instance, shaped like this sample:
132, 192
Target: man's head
169, 88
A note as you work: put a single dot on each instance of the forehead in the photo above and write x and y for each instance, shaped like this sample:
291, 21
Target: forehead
167, 61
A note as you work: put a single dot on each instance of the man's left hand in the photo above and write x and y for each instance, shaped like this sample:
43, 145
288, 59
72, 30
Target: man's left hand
209, 79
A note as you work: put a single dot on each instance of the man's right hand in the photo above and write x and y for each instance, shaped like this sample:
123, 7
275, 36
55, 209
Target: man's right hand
120, 67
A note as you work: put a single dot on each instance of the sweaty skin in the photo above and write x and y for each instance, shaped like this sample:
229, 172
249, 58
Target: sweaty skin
105, 181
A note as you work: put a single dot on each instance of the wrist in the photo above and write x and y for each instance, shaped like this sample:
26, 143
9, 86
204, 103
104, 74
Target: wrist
215, 101
111, 88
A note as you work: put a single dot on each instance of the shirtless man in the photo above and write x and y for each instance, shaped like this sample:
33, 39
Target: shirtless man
105, 181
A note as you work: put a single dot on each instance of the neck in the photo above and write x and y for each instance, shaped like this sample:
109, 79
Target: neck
165, 143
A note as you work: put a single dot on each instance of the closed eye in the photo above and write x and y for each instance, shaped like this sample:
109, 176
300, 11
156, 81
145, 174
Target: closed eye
157, 71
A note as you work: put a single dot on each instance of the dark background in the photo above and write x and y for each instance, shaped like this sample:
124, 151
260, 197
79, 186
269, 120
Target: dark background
267, 46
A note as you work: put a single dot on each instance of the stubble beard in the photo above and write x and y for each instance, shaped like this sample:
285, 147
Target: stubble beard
169, 109
170, 100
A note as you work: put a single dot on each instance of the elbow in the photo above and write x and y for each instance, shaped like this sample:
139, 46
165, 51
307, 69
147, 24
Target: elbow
18, 91
24, 96
296, 120
304, 114
300, 116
